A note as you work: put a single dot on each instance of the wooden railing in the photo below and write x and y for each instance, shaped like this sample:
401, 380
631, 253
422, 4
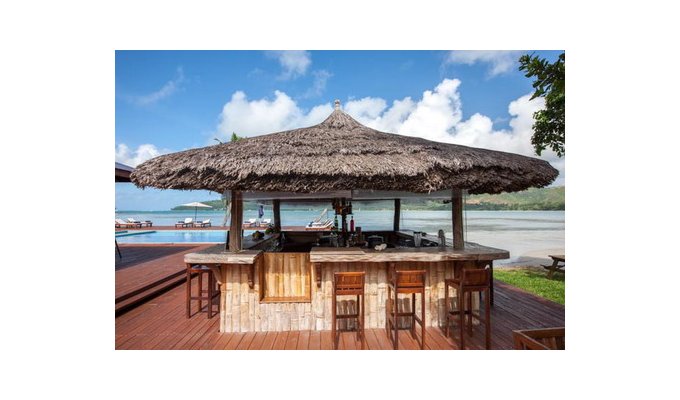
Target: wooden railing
539, 339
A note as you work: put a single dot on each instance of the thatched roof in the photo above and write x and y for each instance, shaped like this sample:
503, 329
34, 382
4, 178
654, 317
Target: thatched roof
342, 154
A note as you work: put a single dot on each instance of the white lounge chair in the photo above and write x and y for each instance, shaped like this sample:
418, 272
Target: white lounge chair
267, 221
204, 223
319, 226
122, 224
186, 223
142, 223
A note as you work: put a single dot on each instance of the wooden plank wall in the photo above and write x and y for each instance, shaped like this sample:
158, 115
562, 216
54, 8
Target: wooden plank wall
286, 275
242, 310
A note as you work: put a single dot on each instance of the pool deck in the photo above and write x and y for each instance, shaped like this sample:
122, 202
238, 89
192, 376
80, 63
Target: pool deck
209, 228
157, 320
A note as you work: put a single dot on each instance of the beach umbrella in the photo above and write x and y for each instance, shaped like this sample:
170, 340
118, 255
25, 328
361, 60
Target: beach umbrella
195, 205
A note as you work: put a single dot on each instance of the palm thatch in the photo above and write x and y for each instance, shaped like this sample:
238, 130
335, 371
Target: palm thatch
342, 154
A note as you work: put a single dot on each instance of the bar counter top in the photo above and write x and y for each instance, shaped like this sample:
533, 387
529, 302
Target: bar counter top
218, 255
472, 251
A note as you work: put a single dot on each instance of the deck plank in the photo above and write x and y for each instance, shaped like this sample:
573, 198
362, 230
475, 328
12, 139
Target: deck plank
280, 342
303, 341
246, 341
314, 340
268, 342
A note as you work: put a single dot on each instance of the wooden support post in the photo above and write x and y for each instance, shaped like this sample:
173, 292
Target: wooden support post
236, 224
277, 215
457, 219
397, 214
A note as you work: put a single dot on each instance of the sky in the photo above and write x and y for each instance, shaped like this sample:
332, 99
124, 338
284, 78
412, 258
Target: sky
168, 101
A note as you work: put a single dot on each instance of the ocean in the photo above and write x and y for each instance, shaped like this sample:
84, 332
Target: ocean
529, 235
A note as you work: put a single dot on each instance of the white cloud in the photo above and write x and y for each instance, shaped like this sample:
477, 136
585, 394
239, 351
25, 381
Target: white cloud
500, 61
255, 117
437, 115
293, 62
319, 85
366, 109
168, 89
135, 157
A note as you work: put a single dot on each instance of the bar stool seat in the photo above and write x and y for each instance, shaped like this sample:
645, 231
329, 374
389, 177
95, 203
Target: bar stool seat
470, 281
208, 294
405, 282
349, 284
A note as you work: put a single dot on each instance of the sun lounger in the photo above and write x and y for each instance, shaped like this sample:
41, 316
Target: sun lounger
319, 226
142, 223
266, 221
204, 223
186, 223
122, 224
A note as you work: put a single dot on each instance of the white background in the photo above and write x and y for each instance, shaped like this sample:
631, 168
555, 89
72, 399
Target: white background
57, 130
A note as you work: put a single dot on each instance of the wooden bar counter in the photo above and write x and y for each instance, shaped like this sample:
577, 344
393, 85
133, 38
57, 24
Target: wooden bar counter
472, 252
286, 291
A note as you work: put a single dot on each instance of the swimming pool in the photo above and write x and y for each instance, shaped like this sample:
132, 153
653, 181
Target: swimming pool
183, 236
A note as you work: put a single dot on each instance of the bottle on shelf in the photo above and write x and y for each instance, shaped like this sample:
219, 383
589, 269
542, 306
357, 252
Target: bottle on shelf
351, 224
335, 223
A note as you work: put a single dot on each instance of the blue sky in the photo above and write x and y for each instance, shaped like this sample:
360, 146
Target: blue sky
169, 101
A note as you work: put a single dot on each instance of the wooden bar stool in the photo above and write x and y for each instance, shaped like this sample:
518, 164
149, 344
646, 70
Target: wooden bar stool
470, 281
208, 295
349, 284
405, 282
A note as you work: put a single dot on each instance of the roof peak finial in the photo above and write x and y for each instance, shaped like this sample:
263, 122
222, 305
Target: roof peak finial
337, 104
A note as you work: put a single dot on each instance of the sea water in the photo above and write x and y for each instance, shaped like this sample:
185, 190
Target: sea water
529, 236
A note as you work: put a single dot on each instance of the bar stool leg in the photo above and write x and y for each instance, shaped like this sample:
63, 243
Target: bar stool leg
334, 305
395, 314
388, 311
217, 294
461, 317
413, 317
422, 320
446, 307
188, 292
469, 312
487, 321
363, 337
211, 299
200, 291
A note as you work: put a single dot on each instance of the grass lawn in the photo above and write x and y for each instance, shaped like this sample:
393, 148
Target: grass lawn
534, 281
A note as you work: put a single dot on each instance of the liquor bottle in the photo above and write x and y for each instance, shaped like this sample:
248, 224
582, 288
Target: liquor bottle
335, 224
351, 224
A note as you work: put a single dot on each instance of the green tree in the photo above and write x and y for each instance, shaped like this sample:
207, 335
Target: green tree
235, 137
549, 84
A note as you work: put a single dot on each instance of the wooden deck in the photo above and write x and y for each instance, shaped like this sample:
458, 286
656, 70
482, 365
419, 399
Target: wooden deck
145, 270
160, 323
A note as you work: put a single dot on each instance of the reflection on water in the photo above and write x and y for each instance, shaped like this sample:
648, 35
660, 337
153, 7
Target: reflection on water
519, 232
